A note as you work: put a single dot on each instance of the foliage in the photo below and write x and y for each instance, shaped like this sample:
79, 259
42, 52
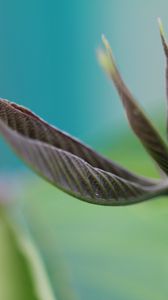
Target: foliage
80, 171
76, 168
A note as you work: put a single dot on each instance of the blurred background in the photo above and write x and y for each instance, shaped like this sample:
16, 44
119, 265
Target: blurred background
48, 64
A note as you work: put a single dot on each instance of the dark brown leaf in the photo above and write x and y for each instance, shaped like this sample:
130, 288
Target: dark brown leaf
70, 165
165, 47
139, 122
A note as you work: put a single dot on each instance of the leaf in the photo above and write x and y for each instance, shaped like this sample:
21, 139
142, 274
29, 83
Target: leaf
64, 161
165, 47
22, 275
139, 122
35, 265
30, 125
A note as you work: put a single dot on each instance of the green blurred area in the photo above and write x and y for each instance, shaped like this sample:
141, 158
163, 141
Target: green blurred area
48, 63
15, 280
95, 252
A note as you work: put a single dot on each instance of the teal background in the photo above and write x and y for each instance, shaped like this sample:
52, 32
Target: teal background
48, 63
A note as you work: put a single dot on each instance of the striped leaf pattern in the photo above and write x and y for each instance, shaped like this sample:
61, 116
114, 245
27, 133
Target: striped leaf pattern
30, 125
76, 168
59, 159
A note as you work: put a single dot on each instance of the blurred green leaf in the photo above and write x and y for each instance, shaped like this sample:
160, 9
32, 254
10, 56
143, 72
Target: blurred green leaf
22, 274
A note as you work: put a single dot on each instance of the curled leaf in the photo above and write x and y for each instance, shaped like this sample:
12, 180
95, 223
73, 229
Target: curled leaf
70, 165
30, 125
76, 168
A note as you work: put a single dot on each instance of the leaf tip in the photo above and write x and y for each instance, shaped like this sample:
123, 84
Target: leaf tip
161, 29
163, 37
105, 42
105, 57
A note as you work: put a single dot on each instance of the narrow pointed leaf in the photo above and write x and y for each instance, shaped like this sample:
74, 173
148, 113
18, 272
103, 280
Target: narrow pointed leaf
165, 47
66, 170
139, 122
